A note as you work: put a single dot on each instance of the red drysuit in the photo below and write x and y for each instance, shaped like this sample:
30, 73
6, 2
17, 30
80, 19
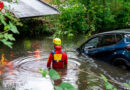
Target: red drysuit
57, 57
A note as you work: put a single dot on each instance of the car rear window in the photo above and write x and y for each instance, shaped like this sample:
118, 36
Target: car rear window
119, 37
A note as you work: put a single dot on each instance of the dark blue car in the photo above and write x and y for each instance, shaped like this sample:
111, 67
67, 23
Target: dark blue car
112, 47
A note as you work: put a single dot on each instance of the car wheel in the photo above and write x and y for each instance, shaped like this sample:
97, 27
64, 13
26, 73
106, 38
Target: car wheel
120, 63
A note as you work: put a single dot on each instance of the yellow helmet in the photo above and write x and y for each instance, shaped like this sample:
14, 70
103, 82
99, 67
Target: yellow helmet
57, 41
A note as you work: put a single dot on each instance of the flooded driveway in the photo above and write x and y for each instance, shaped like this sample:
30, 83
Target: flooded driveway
19, 69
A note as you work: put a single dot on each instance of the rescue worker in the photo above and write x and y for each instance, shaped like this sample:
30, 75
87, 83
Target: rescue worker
57, 57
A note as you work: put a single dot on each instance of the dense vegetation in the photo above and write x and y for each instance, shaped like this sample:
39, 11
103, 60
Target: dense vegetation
77, 16
108, 14
87, 16
80, 16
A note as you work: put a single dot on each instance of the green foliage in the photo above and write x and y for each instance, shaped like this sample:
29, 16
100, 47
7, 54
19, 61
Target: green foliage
12, 28
55, 2
43, 71
53, 74
108, 85
104, 78
8, 23
7, 38
104, 18
71, 21
107, 14
7, 43
10, 0
67, 86
58, 88
81, 16
127, 85
40, 69
72, 17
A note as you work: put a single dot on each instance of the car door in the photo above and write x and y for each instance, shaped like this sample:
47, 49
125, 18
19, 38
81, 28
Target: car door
107, 43
91, 48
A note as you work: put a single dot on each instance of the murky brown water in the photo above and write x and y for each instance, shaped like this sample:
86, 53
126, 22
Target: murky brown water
20, 69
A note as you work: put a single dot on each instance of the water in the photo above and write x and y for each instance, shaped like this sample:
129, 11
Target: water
20, 67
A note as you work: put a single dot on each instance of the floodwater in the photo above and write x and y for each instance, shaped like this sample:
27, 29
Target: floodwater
19, 67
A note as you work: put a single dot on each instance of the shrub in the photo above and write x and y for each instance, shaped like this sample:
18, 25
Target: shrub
71, 21
8, 23
73, 18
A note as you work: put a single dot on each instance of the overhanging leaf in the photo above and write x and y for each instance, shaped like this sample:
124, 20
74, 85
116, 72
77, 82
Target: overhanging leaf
40, 69
53, 74
13, 28
104, 78
9, 44
44, 73
67, 86
5, 27
2, 19
9, 37
58, 88
127, 85
1, 35
109, 86
115, 89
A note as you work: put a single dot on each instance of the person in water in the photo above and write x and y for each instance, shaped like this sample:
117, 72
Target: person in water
57, 57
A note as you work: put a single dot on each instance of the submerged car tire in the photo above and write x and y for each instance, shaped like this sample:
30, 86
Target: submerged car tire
120, 62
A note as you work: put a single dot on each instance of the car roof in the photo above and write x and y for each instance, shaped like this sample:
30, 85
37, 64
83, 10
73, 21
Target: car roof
123, 31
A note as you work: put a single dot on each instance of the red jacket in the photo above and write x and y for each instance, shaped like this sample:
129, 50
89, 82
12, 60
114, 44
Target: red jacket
61, 55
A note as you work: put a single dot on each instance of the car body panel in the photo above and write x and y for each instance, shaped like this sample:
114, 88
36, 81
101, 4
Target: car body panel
110, 52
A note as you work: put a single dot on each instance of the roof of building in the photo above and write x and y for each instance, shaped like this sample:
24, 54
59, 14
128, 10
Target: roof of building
30, 8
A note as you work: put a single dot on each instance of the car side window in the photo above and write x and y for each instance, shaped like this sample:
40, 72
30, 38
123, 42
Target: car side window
92, 43
107, 40
118, 37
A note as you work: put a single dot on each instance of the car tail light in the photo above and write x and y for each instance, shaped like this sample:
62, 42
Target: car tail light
128, 47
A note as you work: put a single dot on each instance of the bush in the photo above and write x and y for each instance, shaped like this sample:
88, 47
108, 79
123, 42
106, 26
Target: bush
107, 14
71, 21
73, 18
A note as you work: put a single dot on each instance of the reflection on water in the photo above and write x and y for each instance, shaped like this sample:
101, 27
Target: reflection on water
19, 67
3, 61
25, 75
